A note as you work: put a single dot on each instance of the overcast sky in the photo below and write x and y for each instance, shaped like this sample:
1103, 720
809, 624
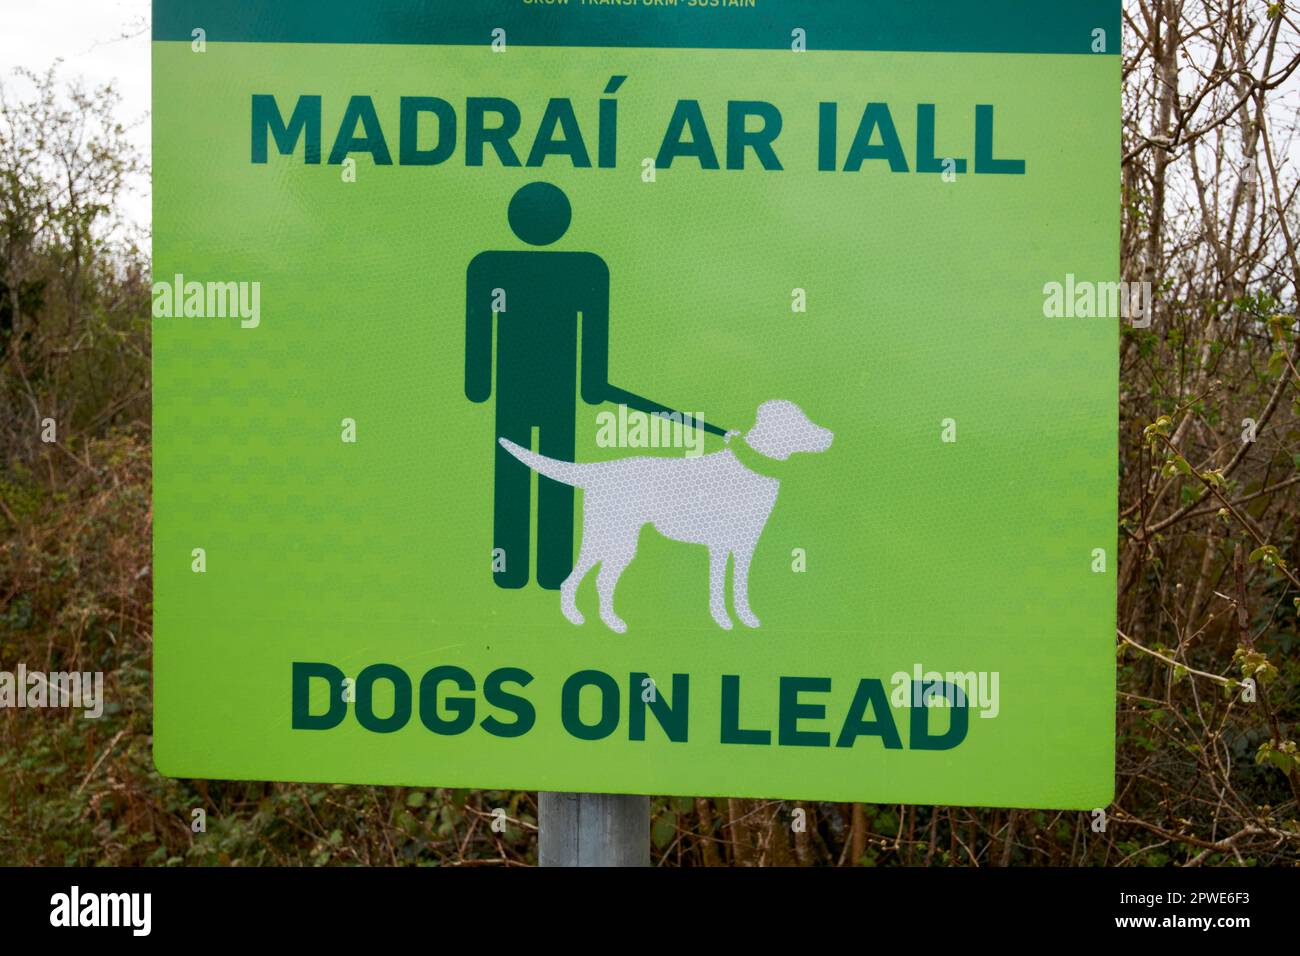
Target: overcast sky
108, 40
88, 35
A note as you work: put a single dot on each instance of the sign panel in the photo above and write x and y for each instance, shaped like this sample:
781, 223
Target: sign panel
696, 398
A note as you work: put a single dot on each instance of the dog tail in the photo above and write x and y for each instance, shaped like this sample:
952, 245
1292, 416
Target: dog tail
565, 472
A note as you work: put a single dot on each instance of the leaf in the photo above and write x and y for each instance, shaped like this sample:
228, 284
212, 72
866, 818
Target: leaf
663, 830
1283, 762
1267, 554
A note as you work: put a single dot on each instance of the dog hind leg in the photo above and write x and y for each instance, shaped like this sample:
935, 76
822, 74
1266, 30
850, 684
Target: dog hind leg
718, 587
569, 589
740, 587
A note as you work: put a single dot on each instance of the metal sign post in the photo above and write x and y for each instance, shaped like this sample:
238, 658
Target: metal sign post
593, 829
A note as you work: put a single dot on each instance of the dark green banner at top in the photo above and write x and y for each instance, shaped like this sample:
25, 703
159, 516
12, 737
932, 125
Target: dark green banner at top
957, 26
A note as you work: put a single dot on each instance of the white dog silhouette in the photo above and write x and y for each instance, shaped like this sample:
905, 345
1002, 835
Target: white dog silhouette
712, 500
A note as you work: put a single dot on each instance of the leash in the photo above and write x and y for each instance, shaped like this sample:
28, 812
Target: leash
621, 396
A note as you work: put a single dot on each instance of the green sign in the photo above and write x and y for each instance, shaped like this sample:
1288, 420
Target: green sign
701, 398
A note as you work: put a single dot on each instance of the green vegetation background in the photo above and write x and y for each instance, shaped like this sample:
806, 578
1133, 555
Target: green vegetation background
1202, 777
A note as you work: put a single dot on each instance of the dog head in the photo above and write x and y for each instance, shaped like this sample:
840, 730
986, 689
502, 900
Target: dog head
783, 429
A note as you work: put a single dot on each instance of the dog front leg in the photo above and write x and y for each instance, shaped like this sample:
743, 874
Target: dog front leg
718, 587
